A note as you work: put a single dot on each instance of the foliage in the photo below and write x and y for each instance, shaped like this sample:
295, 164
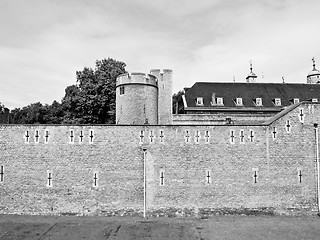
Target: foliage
90, 101
36, 113
176, 101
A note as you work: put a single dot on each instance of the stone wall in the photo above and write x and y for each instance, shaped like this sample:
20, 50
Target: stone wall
205, 169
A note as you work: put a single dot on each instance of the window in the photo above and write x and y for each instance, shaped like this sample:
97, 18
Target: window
161, 177
91, 136
95, 179
161, 136
208, 176
36, 136
141, 136
299, 174
239, 101
27, 137
277, 101
241, 136
258, 101
151, 136
288, 126
251, 136
71, 136
187, 137
199, 101
207, 136
296, 100
232, 136
220, 101
301, 115
81, 137
255, 175
1, 174
314, 99
49, 178
46, 136
197, 137
121, 90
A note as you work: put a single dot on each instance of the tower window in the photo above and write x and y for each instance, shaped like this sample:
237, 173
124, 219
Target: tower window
199, 101
220, 101
121, 90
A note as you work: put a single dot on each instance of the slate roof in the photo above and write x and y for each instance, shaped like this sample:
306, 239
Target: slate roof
248, 92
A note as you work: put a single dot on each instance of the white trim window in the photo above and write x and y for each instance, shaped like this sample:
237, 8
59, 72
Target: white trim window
199, 101
258, 101
296, 100
277, 101
314, 100
220, 101
239, 102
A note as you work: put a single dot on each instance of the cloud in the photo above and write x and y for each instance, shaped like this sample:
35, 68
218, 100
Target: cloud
45, 42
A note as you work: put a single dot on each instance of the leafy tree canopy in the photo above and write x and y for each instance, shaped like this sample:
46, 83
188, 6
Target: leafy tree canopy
92, 99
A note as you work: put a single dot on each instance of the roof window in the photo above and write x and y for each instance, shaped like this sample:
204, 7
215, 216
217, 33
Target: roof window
277, 101
314, 100
258, 101
199, 101
296, 100
239, 101
220, 101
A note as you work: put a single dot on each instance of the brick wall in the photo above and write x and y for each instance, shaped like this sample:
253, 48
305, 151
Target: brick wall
248, 168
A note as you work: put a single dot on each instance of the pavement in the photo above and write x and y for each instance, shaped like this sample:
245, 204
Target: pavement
16, 227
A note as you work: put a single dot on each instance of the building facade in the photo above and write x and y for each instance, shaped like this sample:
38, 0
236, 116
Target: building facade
153, 165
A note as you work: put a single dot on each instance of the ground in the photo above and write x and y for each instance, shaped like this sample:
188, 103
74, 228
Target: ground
219, 227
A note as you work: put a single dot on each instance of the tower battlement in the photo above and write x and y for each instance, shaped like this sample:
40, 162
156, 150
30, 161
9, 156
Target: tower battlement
137, 78
144, 98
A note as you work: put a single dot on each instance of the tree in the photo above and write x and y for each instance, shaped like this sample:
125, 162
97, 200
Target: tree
176, 99
92, 99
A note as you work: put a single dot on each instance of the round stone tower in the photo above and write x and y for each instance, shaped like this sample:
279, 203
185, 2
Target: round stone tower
136, 99
314, 75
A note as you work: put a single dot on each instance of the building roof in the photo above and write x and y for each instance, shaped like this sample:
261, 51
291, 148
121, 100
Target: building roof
249, 92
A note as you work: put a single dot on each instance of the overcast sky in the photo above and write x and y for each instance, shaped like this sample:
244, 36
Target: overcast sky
44, 42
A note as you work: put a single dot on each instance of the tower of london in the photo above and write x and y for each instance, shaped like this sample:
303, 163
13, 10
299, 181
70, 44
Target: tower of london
229, 147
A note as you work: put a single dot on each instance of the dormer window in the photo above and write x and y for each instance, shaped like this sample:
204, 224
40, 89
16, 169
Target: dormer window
199, 101
296, 100
239, 102
258, 101
277, 101
220, 101
314, 100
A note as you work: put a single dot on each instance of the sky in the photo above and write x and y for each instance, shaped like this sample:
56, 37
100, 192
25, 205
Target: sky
44, 42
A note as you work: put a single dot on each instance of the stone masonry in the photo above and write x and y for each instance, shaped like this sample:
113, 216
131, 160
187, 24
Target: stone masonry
190, 169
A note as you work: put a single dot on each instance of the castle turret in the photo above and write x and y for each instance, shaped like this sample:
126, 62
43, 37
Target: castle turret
165, 95
251, 78
314, 75
136, 99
